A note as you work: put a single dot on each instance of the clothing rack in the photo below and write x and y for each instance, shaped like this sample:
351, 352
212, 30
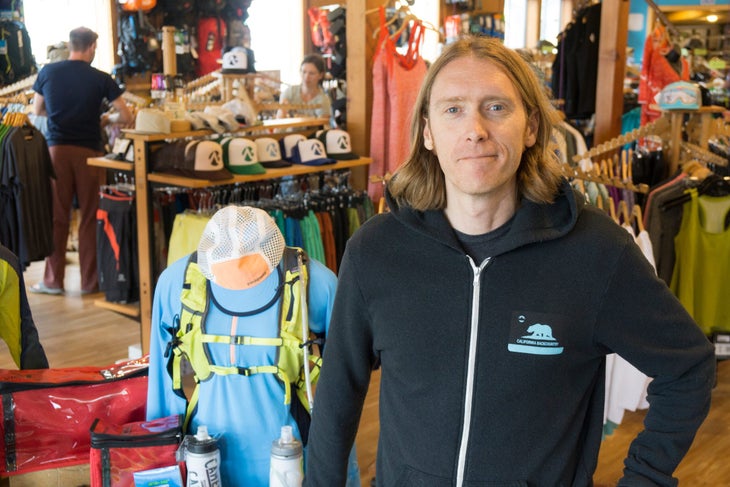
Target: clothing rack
597, 175
704, 155
659, 126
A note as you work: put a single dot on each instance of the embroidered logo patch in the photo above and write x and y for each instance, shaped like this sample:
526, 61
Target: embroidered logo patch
534, 333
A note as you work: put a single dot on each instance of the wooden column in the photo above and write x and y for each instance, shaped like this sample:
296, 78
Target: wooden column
611, 69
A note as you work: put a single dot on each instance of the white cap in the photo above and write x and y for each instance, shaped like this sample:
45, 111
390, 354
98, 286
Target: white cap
240, 247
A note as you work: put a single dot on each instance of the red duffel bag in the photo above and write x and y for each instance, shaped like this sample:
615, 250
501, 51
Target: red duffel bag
47, 413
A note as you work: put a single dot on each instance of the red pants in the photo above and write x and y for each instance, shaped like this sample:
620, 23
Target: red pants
74, 177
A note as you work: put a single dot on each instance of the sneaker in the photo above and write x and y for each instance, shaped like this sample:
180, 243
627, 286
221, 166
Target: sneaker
40, 288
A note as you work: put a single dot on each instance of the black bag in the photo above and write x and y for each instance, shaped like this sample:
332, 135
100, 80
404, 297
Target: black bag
16, 57
136, 50
178, 12
210, 8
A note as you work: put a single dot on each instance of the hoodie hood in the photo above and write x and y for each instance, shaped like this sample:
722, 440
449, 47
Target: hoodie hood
533, 222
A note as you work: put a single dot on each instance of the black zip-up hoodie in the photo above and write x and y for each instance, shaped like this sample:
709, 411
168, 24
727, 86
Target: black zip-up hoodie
493, 373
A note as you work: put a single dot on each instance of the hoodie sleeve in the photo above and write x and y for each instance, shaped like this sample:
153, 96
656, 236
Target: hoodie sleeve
645, 324
347, 364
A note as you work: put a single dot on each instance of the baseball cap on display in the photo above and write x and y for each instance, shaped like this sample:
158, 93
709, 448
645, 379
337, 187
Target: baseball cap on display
287, 143
235, 61
240, 157
311, 152
337, 143
201, 159
240, 247
269, 153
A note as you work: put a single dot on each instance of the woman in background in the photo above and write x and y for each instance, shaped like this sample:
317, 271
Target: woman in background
310, 92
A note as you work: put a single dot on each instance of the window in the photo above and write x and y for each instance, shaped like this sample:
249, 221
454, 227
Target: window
276, 39
515, 22
49, 22
550, 24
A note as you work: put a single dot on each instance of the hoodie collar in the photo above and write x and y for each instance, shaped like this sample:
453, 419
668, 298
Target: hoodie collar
533, 222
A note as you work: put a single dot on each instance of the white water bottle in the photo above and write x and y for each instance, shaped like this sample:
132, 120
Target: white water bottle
286, 461
203, 460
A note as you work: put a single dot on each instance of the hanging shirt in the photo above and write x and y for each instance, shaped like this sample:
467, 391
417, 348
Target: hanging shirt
396, 80
703, 261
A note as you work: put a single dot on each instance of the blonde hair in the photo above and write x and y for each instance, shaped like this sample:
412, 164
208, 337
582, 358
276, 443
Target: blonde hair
420, 183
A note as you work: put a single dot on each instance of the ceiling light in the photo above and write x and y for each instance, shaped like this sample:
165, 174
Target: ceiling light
712, 18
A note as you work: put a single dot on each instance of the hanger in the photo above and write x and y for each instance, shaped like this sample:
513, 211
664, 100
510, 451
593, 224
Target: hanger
599, 174
612, 210
638, 218
712, 185
663, 19
384, 181
658, 126
623, 211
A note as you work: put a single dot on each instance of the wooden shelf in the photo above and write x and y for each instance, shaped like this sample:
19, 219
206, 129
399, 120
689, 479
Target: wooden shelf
110, 163
295, 170
264, 128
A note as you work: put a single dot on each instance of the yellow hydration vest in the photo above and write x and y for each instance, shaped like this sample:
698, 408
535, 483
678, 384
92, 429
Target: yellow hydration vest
189, 345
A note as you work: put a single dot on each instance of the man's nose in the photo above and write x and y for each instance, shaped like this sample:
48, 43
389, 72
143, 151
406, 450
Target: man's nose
476, 129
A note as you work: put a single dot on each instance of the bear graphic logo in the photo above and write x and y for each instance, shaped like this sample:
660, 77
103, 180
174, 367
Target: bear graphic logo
536, 339
540, 331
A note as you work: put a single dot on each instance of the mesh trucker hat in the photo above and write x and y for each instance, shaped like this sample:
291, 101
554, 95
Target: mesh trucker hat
337, 143
235, 61
201, 159
310, 152
287, 144
240, 156
240, 247
269, 153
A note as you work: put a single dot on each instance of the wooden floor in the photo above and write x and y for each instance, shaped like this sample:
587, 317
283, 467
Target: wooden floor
74, 332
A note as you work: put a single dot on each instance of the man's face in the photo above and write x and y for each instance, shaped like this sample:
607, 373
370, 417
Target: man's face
478, 128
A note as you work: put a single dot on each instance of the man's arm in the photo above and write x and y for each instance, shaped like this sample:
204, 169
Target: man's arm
122, 116
39, 105
657, 335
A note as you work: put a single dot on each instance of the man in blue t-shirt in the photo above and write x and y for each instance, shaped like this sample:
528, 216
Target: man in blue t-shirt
72, 95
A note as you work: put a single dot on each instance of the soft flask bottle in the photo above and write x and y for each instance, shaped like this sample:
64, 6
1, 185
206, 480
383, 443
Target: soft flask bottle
203, 460
286, 461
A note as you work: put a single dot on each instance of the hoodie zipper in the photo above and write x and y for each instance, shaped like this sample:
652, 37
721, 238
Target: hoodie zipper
469, 393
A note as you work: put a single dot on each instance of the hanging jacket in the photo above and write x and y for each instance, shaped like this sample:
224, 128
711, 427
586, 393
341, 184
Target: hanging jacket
17, 328
493, 373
